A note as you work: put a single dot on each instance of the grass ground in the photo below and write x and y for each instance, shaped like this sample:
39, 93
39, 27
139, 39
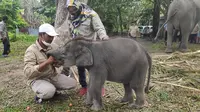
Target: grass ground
16, 96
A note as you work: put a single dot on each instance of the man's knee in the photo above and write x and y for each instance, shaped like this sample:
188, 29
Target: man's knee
70, 83
46, 93
73, 83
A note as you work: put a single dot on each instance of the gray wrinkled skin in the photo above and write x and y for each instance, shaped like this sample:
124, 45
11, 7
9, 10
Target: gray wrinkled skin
119, 60
183, 15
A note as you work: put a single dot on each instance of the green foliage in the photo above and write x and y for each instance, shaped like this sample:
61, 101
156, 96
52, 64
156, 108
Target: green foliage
139, 11
163, 96
47, 11
20, 22
146, 16
11, 8
21, 37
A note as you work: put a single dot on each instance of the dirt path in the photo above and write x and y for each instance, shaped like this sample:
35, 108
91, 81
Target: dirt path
13, 89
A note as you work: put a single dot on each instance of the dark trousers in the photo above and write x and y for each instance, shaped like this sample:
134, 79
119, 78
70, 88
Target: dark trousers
192, 38
6, 45
82, 76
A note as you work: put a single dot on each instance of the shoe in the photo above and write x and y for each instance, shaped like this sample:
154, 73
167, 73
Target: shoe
4, 55
82, 91
37, 100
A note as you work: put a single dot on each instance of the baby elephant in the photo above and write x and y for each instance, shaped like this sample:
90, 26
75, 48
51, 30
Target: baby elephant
119, 60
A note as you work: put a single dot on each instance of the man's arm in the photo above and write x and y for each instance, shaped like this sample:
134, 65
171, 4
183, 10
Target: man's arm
32, 69
1, 35
99, 27
43, 65
2, 27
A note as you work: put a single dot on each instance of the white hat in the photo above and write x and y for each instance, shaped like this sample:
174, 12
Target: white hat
48, 29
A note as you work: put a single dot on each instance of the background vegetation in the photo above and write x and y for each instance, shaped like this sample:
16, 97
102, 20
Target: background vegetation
117, 15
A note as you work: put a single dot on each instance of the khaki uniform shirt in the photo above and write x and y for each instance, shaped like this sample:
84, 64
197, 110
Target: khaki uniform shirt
91, 28
134, 31
3, 29
35, 55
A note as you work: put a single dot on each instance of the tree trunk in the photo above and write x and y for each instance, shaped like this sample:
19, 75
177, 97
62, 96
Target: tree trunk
156, 17
62, 23
120, 19
28, 5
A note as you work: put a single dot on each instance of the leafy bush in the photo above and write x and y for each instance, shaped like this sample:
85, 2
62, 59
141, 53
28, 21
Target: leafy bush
12, 10
21, 37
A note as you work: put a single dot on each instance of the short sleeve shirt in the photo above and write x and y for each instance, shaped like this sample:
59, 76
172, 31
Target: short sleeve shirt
3, 29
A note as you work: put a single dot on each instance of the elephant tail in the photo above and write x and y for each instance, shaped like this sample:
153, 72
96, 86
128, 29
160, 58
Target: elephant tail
149, 72
158, 33
169, 18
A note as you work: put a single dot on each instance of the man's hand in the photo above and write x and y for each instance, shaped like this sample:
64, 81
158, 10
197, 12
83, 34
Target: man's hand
51, 60
58, 64
105, 38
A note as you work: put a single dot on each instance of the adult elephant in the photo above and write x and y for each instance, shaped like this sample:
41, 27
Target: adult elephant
183, 15
120, 60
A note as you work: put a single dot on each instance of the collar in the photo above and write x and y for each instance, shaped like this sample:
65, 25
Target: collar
42, 49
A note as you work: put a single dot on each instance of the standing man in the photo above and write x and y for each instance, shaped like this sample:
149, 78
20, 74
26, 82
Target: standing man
4, 37
165, 33
40, 69
85, 22
193, 35
134, 31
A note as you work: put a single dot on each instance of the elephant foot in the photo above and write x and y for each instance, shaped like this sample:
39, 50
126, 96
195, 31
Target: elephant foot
139, 106
88, 99
183, 50
168, 50
87, 102
154, 40
96, 107
125, 100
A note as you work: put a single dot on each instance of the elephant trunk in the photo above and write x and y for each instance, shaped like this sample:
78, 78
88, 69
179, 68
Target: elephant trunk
54, 53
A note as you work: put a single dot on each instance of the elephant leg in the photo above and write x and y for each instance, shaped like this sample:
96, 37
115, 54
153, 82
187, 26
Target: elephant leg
175, 35
137, 84
89, 98
97, 100
97, 79
184, 41
186, 29
128, 96
169, 38
140, 98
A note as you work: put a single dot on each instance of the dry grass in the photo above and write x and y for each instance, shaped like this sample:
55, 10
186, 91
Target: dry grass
178, 68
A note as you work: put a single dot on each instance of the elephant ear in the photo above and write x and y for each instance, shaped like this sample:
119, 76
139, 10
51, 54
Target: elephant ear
84, 57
